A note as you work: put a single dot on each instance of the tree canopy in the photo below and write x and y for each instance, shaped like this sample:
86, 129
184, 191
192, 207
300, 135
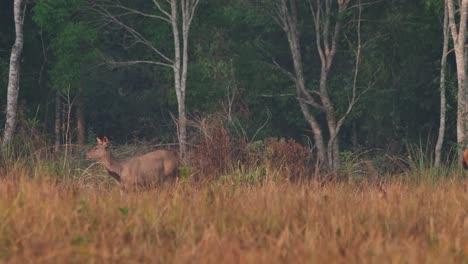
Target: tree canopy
235, 47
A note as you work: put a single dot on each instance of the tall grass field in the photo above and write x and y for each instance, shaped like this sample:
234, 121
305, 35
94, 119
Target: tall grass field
42, 221
70, 211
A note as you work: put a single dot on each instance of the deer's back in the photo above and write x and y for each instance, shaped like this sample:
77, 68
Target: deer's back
150, 168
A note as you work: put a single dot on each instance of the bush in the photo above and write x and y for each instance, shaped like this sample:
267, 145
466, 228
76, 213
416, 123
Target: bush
287, 158
217, 151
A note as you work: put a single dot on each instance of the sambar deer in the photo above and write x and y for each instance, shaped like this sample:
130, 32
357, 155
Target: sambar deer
465, 159
147, 170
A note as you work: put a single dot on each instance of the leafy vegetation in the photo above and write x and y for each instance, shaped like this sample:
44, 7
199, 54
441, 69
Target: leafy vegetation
233, 48
252, 190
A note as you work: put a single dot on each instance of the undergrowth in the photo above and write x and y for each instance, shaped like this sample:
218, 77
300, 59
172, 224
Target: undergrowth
239, 202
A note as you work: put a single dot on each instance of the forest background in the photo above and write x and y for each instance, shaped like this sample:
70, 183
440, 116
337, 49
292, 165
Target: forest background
86, 73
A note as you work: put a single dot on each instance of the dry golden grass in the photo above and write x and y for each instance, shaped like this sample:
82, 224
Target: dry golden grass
43, 221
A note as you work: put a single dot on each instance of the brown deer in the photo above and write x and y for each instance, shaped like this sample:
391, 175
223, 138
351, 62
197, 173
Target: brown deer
144, 171
465, 159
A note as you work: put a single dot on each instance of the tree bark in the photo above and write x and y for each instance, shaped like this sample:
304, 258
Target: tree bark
66, 123
180, 65
293, 39
326, 42
181, 122
458, 38
443, 108
326, 47
14, 74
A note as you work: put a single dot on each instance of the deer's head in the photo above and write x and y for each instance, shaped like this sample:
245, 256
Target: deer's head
101, 151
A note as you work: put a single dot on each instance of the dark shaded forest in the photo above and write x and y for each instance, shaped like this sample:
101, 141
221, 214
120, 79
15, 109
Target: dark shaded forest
92, 68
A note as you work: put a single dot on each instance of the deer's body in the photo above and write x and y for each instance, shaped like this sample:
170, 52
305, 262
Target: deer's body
146, 170
465, 159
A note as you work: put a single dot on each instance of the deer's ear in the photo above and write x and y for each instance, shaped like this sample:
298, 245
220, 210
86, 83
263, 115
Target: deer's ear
105, 140
99, 141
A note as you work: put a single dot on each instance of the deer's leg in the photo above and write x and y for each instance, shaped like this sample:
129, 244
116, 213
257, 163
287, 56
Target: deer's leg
123, 189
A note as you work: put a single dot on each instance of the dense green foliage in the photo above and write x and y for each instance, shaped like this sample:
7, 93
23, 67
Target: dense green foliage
232, 47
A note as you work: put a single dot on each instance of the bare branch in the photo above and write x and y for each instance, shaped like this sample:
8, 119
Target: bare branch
193, 8
138, 12
310, 101
284, 71
279, 14
276, 95
115, 63
262, 126
354, 99
316, 13
156, 3
453, 27
137, 35
133, 62
463, 19
326, 26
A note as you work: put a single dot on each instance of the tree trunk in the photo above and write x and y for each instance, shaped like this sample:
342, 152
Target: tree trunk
459, 37
317, 133
80, 121
334, 153
326, 47
443, 66
58, 124
285, 15
333, 149
180, 11
14, 74
181, 123
186, 20
293, 39
65, 124
180, 66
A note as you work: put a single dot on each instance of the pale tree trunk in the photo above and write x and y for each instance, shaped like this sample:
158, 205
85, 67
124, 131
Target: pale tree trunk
80, 121
285, 14
64, 119
289, 24
180, 18
14, 73
180, 66
326, 43
459, 37
443, 108
58, 124
181, 123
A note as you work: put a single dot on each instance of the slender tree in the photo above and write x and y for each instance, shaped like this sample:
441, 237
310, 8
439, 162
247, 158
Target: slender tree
179, 15
327, 31
443, 101
14, 74
458, 32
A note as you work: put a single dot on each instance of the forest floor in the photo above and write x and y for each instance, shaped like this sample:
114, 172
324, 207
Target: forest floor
47, 221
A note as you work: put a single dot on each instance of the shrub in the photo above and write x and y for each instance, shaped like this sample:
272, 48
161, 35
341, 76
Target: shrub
287, 158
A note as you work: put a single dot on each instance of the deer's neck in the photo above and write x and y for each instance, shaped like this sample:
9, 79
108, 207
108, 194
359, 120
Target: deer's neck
112, 166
